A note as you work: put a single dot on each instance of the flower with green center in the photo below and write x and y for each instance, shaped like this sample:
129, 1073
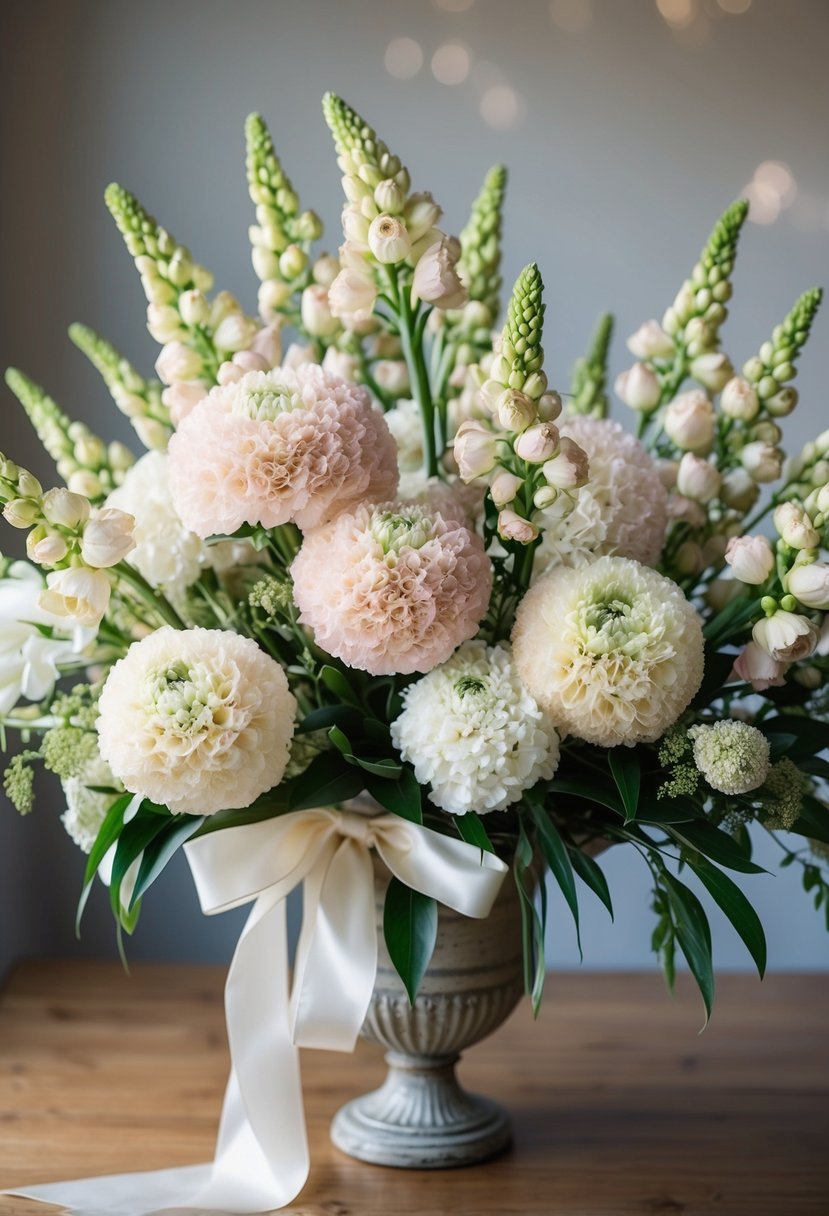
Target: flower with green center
733, 757
613, 652
265, 404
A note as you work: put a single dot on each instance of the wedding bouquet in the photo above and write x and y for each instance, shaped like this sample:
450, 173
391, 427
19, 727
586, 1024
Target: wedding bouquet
389, 561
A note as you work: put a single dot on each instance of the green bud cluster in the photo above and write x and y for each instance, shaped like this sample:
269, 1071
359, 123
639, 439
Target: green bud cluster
782, 795
361, 153
20, 494
137, 398
480, 261
272, 596
775, 364
18, 782
66, 750
809, 470
521, 349
589, 378
698, 312
166, 267
81, 457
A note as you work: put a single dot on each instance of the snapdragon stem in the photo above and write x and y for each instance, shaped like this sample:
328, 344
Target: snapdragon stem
411, 339
149, 594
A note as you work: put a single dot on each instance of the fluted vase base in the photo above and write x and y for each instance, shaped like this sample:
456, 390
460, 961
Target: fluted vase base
420, 1118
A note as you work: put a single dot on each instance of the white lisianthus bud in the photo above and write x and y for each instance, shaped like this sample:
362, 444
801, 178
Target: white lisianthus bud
538, 444
272, 296
421, 214
107, 537
810, 584
759, 669
317, 318
697, 479
340, 363
352, 295
325, 270
392, 375
164, 322
739, 400
389, 197
739, 490
504, 487
544, 497
474, 450
355, 226
292, 262
762, 461
638, 387
297, 354
223, 304
182, 397
515, 410
388, 239
712, 370
77, 594
781, 403
549, 406
650, 342
86, 483
785, 636
193, 307
21, 512
265, 262
569, 469
795, 527
177, 362
64, 508
751, 558
689, 422
46, 548
267, 344
436, 277
235, 332
514, 527
822, 499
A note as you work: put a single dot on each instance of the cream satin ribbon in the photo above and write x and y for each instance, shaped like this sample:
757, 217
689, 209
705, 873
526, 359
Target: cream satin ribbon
261, 1160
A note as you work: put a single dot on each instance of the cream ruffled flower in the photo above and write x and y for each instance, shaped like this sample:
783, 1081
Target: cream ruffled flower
613, 652
86, 808
167, 554
289, 444
623, 509
733, 757
472, 731
199, 720
393, 588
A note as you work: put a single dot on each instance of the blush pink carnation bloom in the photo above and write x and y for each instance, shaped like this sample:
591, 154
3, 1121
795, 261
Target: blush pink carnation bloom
288, 444
392, 589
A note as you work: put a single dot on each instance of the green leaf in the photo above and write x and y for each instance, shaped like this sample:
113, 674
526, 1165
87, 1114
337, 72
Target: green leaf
810, 734
592, 875
161, 850
410, 926
694, 936
716, 844
593, 791
736, 907
555, 854
337, 683
328, 779
340, 740
134, 838
813, 821
389, 770
471, 829
729, 623
402, 795
532, 929
344, 716
627, 773
718, 665
670, 810
108, 833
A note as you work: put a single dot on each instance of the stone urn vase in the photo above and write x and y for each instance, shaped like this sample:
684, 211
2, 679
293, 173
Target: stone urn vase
420, 1117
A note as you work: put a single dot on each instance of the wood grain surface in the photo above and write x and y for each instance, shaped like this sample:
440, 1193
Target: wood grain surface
619, 1106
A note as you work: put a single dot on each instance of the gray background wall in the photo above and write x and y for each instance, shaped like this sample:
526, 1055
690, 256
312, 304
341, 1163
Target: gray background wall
631, 133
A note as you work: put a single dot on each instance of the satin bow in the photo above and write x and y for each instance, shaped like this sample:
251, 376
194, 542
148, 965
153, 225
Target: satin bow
261, 1160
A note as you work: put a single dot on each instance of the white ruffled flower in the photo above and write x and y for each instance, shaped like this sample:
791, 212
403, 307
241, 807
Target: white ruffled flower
86, 808
199, 720
166, 553
733, 757
622, 510
612, 652
472, 731
404, 422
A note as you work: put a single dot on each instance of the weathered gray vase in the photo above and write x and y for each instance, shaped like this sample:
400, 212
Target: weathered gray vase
420, 1117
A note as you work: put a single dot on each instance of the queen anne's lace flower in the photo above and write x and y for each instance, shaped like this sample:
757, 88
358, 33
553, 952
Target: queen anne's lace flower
86, 808
393, 588
473, 732
168, 555
623, 509
199, 720
289, 444
613, 651
733, 757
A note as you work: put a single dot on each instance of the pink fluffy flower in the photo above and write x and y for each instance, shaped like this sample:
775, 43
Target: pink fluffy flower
392, 588
288, 444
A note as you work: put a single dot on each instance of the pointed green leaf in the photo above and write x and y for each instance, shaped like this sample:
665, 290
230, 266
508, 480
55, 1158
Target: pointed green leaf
626, 769
410, 926
694, 936
327, 779
337, 683
161, 850
401, 795
555, 854
736, 907
716, 844
592, 875
471, 829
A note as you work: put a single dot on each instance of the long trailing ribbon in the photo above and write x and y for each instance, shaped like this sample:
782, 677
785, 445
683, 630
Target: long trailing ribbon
262, 1160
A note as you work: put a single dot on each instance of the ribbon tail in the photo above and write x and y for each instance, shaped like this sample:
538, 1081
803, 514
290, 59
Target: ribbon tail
142, 1194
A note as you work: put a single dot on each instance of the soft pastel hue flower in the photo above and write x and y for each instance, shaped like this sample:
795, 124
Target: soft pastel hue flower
392, 588
182, 397
475, 449
504, 487
756, 666
712, 369
406, 425
689, 422
341, 364
86, 808
733, 757
613, 651
473, 733
178, 362
570, 469
762, 460
392, 375
512, 526
739, 400
168, 555
697, 478
622, 509
639, 387
795, 527
436, 278
785, 636
199, 720
78, 595
45, 548
388, 239
751, 558
538, 443
650, 342
63, 508
739, 490
809, 583
290, 444
107, 537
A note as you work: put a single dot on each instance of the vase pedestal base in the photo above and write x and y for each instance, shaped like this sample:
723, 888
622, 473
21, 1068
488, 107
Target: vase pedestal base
420, 1118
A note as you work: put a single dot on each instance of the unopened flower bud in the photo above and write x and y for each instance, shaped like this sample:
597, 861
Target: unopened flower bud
516, 411
325, 270
392, 375
389, 197
107, 537
45, 548
767, 431
514, 527
292, 262
436, 279
317, 318
794, 526
177, 362
762, 461
90, 451
751, 558
504, 487
739, 490
639, 388
309, 226
739, 400
152, 433
272, 296
388, 239
86, 483
650, 342
535, 385
21, 512
421, 214
549, 406
265, 263
697, 478
688, 558
810, 584
538, 443
352, 294
193, 307
689, 422
544, 497
474, 450
164, 322
65, 508
781, 403
235, 332
712, 370
340, 363
569, 469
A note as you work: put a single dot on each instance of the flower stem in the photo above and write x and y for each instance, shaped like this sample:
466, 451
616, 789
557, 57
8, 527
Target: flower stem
149, 594
411, 338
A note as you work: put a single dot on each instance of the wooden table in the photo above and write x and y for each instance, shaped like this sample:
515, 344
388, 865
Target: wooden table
619, 1106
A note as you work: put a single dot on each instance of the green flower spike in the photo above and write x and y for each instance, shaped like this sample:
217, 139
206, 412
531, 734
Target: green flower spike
522, 356
166, 267
589, 382
775, 364
480, 262
361, 153
137, 398
699, 311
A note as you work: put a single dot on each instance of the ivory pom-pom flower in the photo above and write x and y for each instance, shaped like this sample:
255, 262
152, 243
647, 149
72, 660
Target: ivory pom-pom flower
199, 720
393, 588
473, 732
623, 509
289, 444
733, 757
86, 808
613, 651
